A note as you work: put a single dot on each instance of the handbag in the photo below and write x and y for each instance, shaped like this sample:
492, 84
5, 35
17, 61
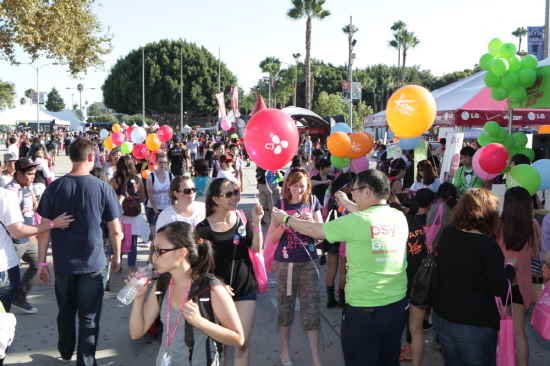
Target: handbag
506, 346
432, 231
256, 259
425, 281
126, 246
540, 320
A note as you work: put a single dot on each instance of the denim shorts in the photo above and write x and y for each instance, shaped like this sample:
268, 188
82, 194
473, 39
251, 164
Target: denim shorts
150, 215
250, 296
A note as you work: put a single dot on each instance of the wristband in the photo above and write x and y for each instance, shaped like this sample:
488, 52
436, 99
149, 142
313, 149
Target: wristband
43, 264
285, 220
510, 264
257, 230
52, 225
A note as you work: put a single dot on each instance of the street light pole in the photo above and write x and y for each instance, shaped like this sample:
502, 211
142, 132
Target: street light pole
181, 89
296, 57
80, 92
351, 32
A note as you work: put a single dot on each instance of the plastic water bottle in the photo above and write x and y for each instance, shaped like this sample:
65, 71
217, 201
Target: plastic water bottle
140, 278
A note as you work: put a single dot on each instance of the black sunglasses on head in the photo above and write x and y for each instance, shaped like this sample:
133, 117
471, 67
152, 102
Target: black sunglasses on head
228, 195
187, 190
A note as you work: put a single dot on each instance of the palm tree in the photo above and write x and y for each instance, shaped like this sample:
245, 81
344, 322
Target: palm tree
520, 33
409, 42
397, 28
29, 93
309, 9
345, 29
271, 65
23, 101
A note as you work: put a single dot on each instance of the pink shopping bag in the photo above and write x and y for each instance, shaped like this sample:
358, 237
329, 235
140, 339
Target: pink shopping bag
506, 346
126, 246
540, 319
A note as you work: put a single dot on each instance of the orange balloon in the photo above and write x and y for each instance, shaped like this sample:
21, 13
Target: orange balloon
145, 173
411, 111
359, 145
152, 142
116, 127
108, 143
544, 129
371, 142
339, 144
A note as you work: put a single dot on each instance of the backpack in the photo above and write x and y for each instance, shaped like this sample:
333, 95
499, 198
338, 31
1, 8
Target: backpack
132, 202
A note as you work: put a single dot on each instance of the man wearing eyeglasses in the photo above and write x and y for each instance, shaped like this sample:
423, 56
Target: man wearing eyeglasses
375, 314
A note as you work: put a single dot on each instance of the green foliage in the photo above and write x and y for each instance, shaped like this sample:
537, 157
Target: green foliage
78, 113
55, 103
452, 77
7, 94
331, 105
103, 117
23, 101
93, 110
122, 90
137, 120
64, 30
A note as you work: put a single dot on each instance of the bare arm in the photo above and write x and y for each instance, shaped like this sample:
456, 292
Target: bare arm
19, 230
257, 238
141, 190
115, 234
150, 194
143, 312
306, 227
43, 273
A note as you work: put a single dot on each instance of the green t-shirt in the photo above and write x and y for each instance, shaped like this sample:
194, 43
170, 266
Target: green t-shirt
376, 253
465, 179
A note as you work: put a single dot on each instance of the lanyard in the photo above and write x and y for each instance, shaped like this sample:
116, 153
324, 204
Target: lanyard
169, 337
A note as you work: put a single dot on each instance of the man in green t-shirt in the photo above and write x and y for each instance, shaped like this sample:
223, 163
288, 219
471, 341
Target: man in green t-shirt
465, 177
376, 306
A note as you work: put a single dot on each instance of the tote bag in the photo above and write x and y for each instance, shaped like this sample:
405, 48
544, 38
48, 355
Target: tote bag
126, 246
540, 319
432, 231
506, 346
270, 248
257, 260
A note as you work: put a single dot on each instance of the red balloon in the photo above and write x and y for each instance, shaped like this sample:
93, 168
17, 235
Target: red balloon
129, 133
271, 138
117, 138
140, 151
478, 169
165, 133
494, 158
153, 157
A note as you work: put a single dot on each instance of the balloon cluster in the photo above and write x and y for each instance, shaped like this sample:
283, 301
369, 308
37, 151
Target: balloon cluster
508, 75
349, 148
515, 144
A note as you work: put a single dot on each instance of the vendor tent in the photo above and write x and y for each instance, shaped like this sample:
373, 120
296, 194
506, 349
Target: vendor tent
66, 115
25, 113
468, 102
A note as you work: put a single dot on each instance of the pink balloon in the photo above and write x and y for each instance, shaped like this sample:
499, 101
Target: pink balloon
271, 138
359, 164
129, 133
494, 158
478, 169
165, 133
117, 138
226, 125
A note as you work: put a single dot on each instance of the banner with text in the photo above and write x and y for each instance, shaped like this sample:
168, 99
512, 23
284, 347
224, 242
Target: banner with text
451, 159
346, 91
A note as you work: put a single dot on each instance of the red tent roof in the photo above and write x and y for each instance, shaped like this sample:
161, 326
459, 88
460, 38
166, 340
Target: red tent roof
259, 106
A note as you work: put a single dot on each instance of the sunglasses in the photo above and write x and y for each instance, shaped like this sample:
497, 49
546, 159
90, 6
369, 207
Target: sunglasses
158, 252
228, 195
187, 190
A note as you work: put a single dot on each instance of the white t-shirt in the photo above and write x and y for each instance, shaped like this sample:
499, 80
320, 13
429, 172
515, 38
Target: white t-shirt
109, 171
4, 179
43, 167
227, 175
161, 192
192, 146
419, 185
13, 149
10, 213
169, 215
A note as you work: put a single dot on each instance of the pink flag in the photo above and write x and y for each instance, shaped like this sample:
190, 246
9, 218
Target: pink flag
234, 99
221, 105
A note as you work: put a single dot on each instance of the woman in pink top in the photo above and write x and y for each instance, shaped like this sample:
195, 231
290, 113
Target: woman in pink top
520, 238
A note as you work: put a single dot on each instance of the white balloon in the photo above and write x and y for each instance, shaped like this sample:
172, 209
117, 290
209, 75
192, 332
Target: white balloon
103, 133
138, 135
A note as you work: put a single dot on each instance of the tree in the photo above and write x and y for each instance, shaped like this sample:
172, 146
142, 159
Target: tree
55, 103
271, 65
397, 28
28, 94
64, 30
93, 110
309, 9
23, 101
7, 94
137, 120
78, 112
104, 117
122, 90
520, 33
409, 41
329, 105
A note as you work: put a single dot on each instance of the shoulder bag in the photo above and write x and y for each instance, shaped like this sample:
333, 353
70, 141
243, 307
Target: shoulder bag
257, 260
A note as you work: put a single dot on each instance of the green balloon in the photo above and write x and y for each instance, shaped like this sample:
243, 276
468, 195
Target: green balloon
510, 80
518, 94
482, 139
491, 128
499, 66
491, 80
508, 142
520, 138
126, 147
499, 94
501, 134
526, 176
530, 153
490, 141
527, 76
494, 47
529, 62
339, 163
485, 61
514, 63
508, 50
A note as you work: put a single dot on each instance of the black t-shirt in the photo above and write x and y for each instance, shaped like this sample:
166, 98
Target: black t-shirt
319, 190
79, 248
214, 164
416, 249
226, 252
423, 218
260, 175
470, 275
176, 155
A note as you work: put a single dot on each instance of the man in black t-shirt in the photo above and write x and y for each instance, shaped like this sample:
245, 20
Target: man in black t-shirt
214, 163
177, 156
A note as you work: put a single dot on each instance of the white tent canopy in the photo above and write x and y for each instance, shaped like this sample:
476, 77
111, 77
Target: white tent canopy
22, 113
66, 115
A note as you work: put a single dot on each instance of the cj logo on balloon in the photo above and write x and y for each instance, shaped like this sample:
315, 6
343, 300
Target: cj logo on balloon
276, 145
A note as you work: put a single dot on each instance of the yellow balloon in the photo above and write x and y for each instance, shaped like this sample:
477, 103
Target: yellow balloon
116, 127
108, 143
152, 142
411, 111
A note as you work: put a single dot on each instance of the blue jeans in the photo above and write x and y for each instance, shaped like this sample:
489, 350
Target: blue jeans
9, 282
132, 256
465, 344
82, 293
372, 336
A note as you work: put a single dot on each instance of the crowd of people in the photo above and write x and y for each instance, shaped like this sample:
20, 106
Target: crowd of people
370, 227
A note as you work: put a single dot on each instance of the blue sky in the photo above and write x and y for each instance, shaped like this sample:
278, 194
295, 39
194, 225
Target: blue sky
453, 35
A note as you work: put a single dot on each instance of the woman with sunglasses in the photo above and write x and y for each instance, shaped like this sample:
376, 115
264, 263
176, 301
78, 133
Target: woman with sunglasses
231, 238
426, 177
226, 169
186, 262
186, 209
293, 265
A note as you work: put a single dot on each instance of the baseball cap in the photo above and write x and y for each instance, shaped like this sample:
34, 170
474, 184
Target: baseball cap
24, 163
10, 157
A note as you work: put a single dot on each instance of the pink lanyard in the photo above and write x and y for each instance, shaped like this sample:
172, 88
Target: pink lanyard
169, 337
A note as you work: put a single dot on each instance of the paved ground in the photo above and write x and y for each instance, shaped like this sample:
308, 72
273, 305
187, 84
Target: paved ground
36, 335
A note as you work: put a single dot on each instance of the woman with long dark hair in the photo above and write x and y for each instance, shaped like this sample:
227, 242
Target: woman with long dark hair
426, 177
520, 238
201, 179
186, 262
398, 170
110, 164
447, 194
231, 238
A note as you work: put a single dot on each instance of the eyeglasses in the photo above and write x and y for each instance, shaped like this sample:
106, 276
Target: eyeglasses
162, 162
228, 195
158, 252
187, 190
365, 186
